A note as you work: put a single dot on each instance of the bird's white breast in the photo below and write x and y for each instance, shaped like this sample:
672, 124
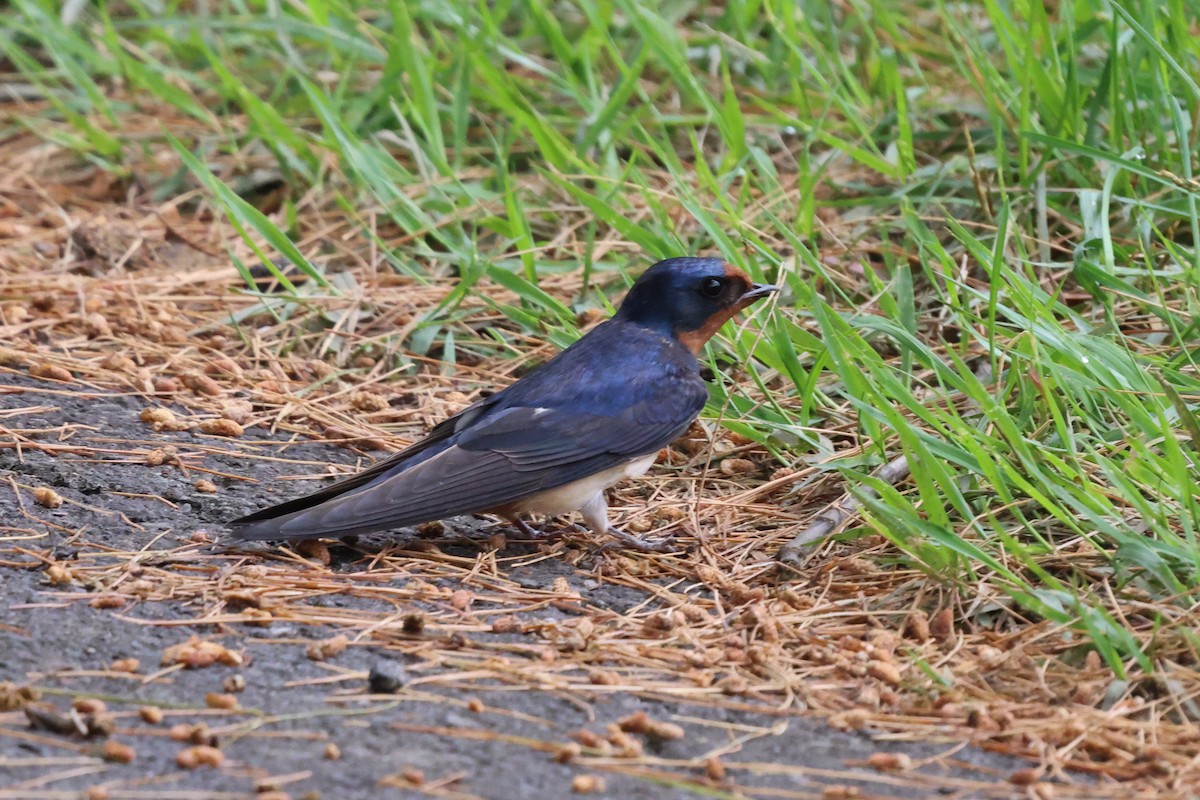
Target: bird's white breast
569, 497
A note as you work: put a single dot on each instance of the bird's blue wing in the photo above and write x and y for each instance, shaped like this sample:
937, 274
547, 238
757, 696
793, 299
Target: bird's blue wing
502, 458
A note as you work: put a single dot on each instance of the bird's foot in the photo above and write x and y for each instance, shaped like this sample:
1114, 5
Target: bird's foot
635, 542
523, 526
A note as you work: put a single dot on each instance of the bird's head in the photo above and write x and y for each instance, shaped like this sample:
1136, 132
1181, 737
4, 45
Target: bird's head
689, 299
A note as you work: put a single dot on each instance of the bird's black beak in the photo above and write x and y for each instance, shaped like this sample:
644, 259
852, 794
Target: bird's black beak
756, 291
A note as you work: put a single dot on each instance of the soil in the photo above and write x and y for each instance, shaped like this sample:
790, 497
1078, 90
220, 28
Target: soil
467, 736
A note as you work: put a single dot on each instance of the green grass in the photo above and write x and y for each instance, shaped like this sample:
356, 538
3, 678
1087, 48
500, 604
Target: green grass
985, 216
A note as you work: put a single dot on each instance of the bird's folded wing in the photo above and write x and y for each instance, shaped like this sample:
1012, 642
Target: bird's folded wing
437, 436
504, 457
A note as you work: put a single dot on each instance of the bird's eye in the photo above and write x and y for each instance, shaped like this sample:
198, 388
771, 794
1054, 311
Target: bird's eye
711, 287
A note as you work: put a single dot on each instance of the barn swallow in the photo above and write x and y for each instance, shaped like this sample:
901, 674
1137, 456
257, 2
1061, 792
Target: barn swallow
555, 440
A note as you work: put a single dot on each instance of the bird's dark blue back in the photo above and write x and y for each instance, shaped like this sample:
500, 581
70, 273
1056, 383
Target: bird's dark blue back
623, 365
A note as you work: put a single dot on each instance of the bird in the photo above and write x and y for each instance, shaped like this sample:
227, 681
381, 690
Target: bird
552, 442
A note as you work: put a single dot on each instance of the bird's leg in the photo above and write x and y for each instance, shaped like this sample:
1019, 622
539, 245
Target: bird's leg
595, 515
522, 526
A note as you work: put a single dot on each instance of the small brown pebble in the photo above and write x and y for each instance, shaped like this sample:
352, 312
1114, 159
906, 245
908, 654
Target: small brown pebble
98, 725
890, 761
413, 776
161, 455
638, 722
738, 466
160, 419
201, 384
11, 358
187, 759
950, 710
461, 600
234, 683
125, 665
431, 529
588, 738
172, 334
917, 626
714, 769
840, 792
167, 385
151, 715
658, 625
202, 734
941, 626
13, 697
625, 745
853, 720
47, 497
1026, 777
222, 365
314, 550
669, 513
107, 601
58, 575
567, 753
181, 732
196, 653
332, 751
884, 671
221, 427
587, 784
665, 731
96, 793
118, 752
368, 401
638, 525
507, 624
991, 656
589, 317
205, 486
475, 705
603, 677
327, 648
209, 756
240, 411
115, 362
225, 702
51, 372
96, 326
89, 705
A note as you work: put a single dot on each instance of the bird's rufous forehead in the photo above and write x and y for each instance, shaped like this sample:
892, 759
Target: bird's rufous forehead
733, 272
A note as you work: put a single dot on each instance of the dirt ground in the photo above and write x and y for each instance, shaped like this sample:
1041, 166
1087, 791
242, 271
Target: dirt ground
148, 566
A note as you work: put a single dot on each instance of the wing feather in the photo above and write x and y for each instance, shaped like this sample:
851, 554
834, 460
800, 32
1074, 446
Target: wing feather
520, 453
